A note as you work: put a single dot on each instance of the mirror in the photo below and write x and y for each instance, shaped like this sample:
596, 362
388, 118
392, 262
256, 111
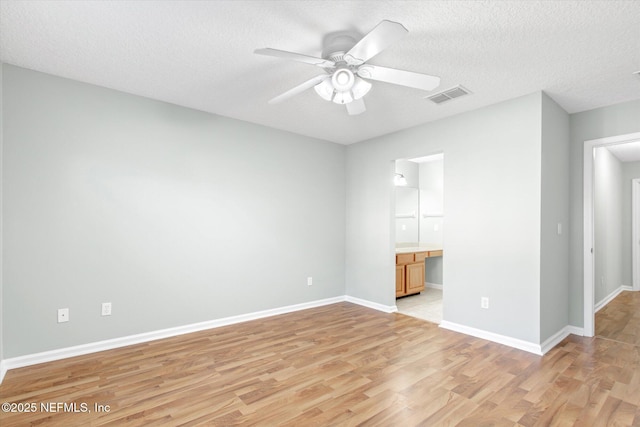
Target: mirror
407, 213
419, 204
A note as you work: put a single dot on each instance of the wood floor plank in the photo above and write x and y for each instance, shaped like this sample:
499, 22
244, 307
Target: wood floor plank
338, 365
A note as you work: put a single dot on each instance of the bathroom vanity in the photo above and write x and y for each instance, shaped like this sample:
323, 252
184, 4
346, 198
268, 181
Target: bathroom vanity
410, 268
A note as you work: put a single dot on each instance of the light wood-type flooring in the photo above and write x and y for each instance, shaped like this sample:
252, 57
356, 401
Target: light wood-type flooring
620, 319
337, 365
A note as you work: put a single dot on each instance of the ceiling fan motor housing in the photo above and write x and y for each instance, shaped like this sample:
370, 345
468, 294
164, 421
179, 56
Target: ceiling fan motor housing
340, 42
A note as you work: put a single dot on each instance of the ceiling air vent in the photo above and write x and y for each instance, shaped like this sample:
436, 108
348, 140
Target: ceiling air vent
449, 94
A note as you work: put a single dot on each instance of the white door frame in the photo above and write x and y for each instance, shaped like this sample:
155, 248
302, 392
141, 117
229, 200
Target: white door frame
589, 153
635, 232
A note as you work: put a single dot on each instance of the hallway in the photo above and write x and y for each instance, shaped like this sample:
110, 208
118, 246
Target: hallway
620, 319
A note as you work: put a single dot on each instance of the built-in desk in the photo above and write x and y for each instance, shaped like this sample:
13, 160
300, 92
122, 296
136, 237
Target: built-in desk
410, 268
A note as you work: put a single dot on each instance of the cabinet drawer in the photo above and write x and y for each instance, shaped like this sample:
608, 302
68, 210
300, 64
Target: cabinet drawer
404, 258
420, 256
435, 253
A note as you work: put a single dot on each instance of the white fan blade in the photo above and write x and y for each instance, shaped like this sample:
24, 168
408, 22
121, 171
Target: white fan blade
382, 36
324, 63
300, 88
356, 107
399, 77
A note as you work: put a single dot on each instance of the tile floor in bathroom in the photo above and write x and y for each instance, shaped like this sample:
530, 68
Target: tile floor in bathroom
426, 305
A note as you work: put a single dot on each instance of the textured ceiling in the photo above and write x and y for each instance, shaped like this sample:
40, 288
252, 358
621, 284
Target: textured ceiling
200, 54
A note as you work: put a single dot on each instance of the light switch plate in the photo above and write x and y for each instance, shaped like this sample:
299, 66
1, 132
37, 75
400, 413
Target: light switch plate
63, 315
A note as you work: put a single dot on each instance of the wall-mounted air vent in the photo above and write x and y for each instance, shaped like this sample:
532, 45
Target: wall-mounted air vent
448, 95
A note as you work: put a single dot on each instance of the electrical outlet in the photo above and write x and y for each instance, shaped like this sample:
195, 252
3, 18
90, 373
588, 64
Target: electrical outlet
484, 302
63, 315
309, 281
106, 309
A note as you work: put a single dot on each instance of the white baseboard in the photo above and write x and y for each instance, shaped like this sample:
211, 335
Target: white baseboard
539, 349
63, 353
575, 330
606, 300
433, 285
3, 370
79, 350
370, 304
555, 339
490, 336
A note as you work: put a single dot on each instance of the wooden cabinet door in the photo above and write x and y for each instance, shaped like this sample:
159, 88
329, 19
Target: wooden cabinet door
415, 278
399, 280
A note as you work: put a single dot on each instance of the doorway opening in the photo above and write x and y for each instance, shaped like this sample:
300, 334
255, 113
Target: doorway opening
419, 226
589, 231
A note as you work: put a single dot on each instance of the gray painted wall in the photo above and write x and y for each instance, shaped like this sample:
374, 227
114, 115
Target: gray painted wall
630, 171
173, 215
554, 253
493, 191
112, 197
607, 218
603, 122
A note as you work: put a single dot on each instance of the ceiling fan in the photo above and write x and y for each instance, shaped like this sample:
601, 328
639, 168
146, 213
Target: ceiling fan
346, 71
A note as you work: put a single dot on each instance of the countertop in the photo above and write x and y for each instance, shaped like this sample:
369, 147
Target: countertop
424, 248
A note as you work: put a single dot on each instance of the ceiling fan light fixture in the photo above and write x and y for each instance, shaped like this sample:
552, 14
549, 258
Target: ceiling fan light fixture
325, 90
342, 79
360, 88
343, 97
